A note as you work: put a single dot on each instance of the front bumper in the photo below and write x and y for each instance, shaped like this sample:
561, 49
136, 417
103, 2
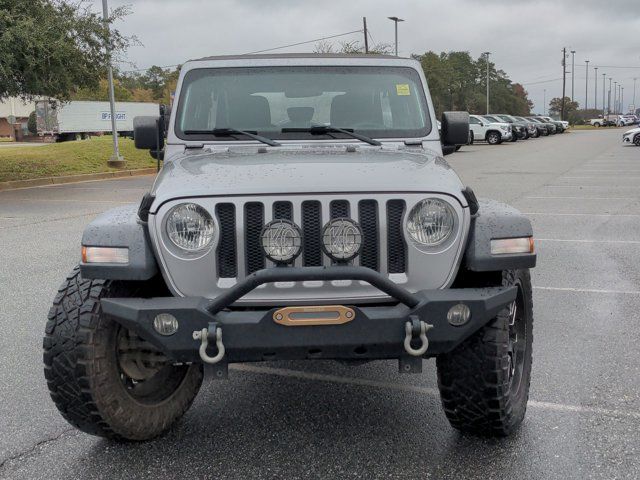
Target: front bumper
507, 135
375, 332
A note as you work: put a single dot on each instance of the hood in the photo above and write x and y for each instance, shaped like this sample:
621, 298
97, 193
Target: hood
287, 170
633, 130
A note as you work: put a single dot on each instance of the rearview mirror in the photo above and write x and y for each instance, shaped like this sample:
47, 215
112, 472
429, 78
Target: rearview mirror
455, 130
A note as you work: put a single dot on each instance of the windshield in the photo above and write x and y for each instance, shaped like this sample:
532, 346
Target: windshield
493, 119
506, 118
383, 102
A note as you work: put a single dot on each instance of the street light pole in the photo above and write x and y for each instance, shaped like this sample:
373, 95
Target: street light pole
609, 97
615, 97
573, 68
396, 20
621, 99
604, 86
595, 93
544, 102
634, 94
116, 160
486, 56
586, 86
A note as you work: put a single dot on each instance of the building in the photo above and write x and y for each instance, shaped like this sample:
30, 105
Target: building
21, 111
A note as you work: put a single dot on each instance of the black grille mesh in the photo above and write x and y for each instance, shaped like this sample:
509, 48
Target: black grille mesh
253, 223
311, 233
339, 209
283, 211
227, 256
368, 218
397, 249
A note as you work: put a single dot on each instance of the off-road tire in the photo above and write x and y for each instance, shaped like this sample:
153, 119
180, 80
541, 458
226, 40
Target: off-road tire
493, 138
475, 380
82, 373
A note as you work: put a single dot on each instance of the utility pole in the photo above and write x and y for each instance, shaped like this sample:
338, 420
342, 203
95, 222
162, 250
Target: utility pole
396, 20
486, 56
564, 80
586, 86
622, 101
366, 38
573, 69
116, 160
544, 102
615, 97
609, 97
595, 93
634, 94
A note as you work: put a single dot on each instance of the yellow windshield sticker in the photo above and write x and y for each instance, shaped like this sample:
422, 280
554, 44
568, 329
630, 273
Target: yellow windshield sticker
402, 89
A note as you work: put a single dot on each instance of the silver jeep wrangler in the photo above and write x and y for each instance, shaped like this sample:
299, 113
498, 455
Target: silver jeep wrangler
304, 211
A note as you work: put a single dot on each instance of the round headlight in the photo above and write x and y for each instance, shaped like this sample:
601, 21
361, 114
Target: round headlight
281, 241
431, 222
190, 227
342, 239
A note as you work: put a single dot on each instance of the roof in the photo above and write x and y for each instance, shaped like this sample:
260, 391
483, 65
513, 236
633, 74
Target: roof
15, 106
299, 55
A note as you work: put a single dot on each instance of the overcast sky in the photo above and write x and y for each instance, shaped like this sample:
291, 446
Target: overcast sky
525, 36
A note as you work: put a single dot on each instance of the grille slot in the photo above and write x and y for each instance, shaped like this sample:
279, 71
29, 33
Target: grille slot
396, 246
368, 219
283, 211
253, 224
339, 209
311, 232
227, 255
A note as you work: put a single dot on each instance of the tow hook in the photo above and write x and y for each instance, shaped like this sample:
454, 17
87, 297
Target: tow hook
413, 329
204, 336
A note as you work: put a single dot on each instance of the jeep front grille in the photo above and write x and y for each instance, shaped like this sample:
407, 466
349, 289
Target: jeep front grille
241, 225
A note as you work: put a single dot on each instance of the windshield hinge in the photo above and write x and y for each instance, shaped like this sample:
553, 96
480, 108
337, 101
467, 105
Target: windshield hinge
193, 146
413, 143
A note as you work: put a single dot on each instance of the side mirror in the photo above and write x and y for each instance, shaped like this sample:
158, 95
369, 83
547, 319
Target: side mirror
455, 130
147, 135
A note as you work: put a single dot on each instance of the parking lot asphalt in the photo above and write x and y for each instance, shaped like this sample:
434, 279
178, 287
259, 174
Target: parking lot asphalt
326, 420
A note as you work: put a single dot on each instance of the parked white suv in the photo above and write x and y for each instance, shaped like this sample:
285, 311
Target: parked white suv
492, 132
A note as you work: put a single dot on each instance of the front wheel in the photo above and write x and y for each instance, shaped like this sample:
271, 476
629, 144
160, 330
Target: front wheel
104, 379
484, 382
636, 140
493, 138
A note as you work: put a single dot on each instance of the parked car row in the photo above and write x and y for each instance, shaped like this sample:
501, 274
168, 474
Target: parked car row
497, 128
615, 120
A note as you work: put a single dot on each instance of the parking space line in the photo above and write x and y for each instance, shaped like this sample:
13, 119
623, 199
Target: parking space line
591, 186
581, 198
432, 392
588, 290
626, 215
49, 200
581, 240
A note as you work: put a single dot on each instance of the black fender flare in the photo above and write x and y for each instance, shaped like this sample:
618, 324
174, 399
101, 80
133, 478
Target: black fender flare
120, 227
495, 220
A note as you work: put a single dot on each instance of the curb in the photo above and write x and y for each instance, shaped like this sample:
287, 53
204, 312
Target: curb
39, 182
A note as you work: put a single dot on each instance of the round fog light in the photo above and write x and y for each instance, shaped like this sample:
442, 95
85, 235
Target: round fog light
458, 315
165, 324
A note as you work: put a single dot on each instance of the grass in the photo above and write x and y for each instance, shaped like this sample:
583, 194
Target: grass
68, 158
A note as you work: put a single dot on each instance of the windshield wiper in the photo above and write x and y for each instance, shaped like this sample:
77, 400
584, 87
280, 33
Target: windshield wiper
227, 132
322, 129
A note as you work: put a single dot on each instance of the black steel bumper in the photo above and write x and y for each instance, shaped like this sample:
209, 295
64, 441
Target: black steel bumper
374, 332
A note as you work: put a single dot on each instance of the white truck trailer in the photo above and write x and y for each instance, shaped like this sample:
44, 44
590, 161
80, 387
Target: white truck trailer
80, 119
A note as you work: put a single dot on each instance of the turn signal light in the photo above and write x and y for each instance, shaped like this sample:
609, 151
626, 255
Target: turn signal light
105, 255
503, 246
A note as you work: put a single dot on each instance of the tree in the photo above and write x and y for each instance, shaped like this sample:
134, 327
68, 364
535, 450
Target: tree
32, 123
101, 92
52, 48
570, 108
352, 47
